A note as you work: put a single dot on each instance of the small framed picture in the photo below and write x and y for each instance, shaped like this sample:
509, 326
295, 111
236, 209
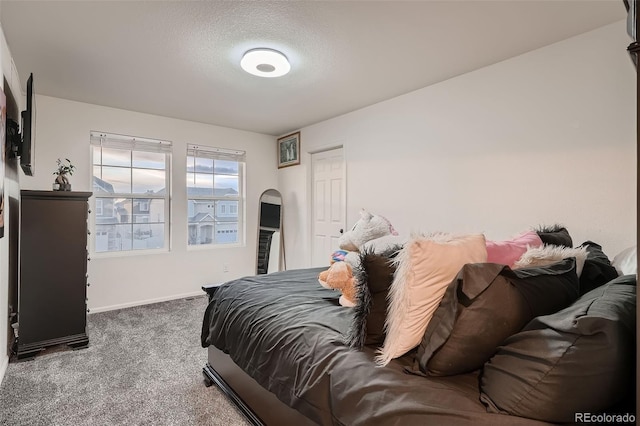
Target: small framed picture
289, 150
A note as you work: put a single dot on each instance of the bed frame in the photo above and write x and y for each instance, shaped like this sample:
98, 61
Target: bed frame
258, 405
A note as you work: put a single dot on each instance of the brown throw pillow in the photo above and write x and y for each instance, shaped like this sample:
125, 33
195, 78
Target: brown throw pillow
578, 360
485, 304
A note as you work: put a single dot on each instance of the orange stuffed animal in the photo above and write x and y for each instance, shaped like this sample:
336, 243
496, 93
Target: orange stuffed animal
339, 276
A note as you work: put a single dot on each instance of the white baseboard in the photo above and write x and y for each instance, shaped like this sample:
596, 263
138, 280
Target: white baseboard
145, 302
4, 363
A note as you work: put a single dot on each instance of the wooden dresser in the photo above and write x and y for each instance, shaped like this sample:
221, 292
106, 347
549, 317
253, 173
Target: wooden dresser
52, 290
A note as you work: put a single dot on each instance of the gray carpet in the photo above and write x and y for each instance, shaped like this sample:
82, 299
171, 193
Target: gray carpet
142, 367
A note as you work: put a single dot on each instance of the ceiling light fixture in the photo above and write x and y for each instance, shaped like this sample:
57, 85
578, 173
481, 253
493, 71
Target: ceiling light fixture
265, 63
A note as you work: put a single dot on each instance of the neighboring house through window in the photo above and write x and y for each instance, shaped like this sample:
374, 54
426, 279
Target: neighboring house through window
99, 210
215, 191
131, 178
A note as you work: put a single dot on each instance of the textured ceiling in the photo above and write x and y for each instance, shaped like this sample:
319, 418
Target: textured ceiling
181, 58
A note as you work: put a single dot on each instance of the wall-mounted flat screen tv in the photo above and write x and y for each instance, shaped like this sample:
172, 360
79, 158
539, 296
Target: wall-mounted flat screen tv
26, 149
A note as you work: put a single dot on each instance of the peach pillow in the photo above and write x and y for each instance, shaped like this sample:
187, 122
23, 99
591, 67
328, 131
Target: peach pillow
509, 251
425, 267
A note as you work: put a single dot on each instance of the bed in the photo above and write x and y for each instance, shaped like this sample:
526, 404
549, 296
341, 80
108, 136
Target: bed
276, 347
280, 346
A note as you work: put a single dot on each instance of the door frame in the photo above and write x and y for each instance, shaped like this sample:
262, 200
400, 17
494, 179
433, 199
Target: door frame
310, 190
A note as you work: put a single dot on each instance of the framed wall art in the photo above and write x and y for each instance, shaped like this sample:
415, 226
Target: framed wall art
289, 150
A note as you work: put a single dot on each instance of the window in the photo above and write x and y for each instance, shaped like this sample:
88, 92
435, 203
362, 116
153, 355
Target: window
130, 188
215, 191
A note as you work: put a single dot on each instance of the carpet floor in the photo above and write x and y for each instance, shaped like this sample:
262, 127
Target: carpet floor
143, 366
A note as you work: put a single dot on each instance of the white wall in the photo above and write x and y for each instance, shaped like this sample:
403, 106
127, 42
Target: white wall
546, 137
63, 129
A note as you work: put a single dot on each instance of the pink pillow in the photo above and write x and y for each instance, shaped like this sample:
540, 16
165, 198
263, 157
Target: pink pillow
509, 251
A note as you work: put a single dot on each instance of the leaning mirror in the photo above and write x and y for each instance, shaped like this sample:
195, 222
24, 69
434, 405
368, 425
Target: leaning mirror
270, 247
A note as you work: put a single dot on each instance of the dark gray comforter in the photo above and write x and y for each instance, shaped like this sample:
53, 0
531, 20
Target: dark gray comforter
286, 332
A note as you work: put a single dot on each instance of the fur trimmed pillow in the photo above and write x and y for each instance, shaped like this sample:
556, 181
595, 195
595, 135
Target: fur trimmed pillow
374, 276
555, 234
509, 251
425, 267
548, 254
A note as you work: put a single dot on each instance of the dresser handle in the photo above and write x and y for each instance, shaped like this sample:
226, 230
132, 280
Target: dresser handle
88, 232
88, 310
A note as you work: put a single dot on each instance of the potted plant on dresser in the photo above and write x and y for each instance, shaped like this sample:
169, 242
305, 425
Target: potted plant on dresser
64, 168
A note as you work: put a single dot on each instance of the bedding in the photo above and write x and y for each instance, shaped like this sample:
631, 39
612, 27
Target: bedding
596, 334
486, 304
287, 332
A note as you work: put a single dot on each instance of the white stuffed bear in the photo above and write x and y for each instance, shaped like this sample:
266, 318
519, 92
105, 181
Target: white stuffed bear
369, 227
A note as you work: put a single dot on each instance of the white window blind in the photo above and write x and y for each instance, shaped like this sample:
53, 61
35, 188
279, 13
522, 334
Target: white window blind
114, 141
216, 153
131, 181
215, 195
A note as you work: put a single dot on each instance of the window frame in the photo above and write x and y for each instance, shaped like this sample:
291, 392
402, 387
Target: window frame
130, 143
220, 154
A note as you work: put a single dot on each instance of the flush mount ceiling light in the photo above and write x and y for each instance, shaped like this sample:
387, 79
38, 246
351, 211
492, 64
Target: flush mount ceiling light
265, 63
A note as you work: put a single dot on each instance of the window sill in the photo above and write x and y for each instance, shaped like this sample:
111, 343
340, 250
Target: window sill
129, 253
214, 246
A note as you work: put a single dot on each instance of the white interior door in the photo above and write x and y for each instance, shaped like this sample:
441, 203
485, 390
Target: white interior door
329, 196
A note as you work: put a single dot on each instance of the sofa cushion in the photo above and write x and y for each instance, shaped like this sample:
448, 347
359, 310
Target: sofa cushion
425, 267
484, 305
580, 359
374, 276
